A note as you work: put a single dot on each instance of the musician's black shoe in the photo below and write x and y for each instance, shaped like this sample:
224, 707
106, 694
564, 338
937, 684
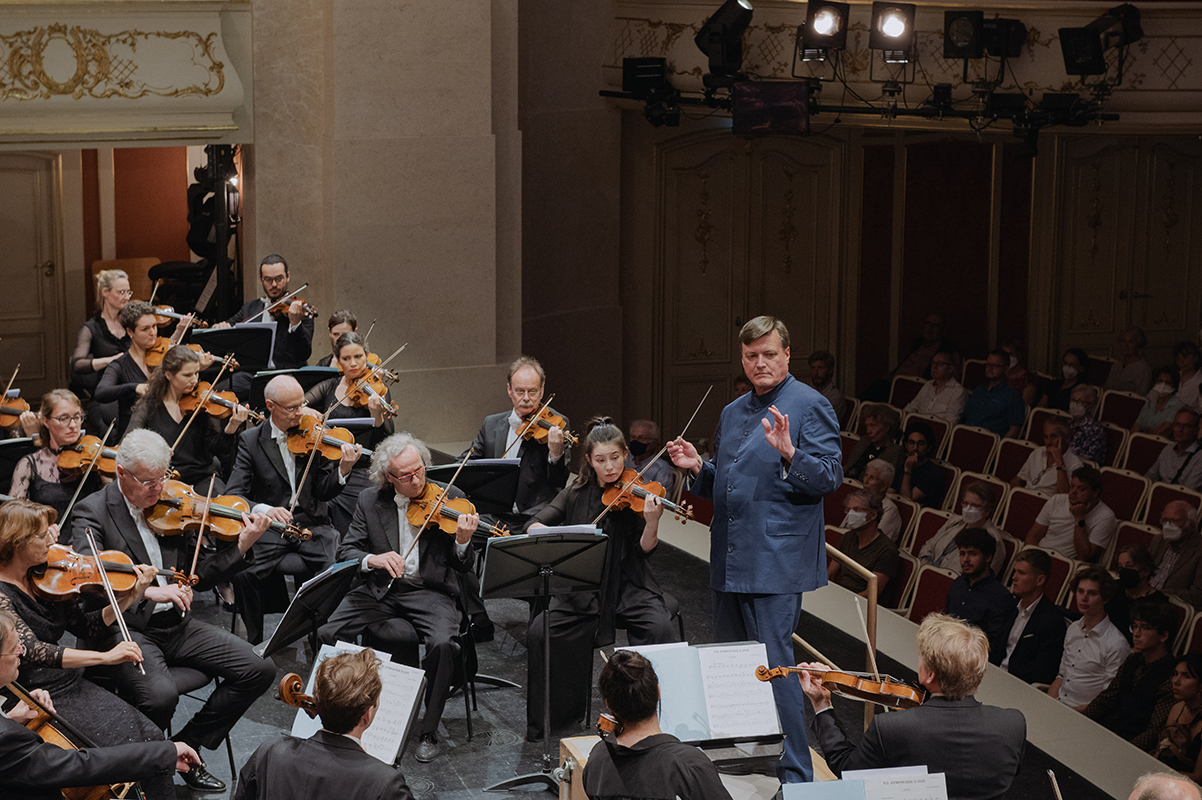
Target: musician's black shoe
483, 629
428, 748
200, 779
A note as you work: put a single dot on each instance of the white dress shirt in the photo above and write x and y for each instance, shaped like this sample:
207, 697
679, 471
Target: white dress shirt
151, 543
405, 537
1016, 630
1091, 659
947, 405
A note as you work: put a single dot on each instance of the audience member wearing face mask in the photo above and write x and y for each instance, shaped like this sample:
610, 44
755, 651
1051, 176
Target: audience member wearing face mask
1074, 367
1136, 566
1157, 415
1178, 553
976, 511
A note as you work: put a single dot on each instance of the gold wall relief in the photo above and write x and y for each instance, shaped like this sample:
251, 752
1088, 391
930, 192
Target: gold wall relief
705, 225
34, 65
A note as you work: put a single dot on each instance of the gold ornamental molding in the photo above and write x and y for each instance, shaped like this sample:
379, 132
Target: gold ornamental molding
87, 63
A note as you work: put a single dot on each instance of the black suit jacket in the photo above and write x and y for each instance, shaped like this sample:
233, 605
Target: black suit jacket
1036, 657
34, 770
539, 480
326, 766
292, 350
106, 513
977, 747
376, 529
260, 476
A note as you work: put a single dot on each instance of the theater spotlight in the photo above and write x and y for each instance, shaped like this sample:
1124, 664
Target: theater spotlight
1084, 49
892, 31
825, 29
963, 34
721, 40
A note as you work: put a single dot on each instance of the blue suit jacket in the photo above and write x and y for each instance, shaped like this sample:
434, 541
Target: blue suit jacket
767, 534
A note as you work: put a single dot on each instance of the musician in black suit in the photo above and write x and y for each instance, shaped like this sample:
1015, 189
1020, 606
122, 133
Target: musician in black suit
35, 770
268, 474
162, 624
977, 747
331, 764
1036, 626
411, 576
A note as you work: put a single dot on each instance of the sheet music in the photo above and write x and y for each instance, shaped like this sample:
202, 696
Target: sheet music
325, 572
682, 700
824, 790
907, 787
738, 704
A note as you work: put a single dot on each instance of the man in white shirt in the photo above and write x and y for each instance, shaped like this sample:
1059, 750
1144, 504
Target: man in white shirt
1047, 468
1180, 462
942, 396
1078, 524
976, 511
1093, 648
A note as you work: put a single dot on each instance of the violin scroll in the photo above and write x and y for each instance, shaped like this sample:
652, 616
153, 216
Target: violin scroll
765, 674
292, 693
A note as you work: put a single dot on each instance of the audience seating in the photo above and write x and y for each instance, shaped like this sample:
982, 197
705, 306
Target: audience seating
1099, 369
931, 586
1012, 547
939, 427
832, 504
1124, 491
974, 373
908, 510
1193, 635
834, 535
1142, 451
956, 494
951, 475
1011, 455
1116, 443
1034, 429
1128, 534
849, 443
1161, 494
928, 524
1183, 614
904, 389
897, 592
1022, 508
971, 448
852, 410
1121, 408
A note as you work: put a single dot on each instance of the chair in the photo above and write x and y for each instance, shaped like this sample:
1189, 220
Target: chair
939, 427
1142, 451
832, 504
930, 592
1121, 408
1128, 534
971, 448
850, 413
1124, 491
908, 510
1183, 612
834, 535
967, 479
1193, 635
1034, 431
1022, 508
188, 680
1063, 569
849, 440
897, 591
951, 476
974, 373
1011, 546
1011, 455
1116, 443
1161, 494
1099, 369
928, 524
904, 389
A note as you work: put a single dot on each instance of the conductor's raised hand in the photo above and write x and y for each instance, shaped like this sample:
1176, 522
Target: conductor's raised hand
684, 455
777, 433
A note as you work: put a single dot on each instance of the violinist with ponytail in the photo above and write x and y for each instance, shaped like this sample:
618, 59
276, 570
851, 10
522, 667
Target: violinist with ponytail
629, 598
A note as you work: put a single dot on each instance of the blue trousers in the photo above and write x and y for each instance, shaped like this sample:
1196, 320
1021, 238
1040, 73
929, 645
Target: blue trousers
771, 619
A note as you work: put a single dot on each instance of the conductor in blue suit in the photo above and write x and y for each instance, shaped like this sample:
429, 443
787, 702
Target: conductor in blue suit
776, 453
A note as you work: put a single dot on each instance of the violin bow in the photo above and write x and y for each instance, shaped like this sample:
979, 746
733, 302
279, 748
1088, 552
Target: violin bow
876, 674
88, 471
268, 305
533, 419
1055, 785
154, 290
438, 503
204, 523
633, 481
108, 590
359, 382
200, 405
10, 382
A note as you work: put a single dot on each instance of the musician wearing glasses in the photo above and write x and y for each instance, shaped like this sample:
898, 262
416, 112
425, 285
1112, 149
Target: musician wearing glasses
294, 331
161, 624
37, 476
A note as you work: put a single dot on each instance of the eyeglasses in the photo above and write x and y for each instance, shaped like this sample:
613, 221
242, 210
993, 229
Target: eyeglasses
1138, 627
288, 409
526, 392
18, 653
917, 442
76, 418
276, 279
124, 293
159, 481
407, 475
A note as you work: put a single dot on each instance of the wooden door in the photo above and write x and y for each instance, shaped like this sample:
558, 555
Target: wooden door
30, 326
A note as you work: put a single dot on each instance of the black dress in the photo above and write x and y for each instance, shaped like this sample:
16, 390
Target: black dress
630, 598
119, 384
206, 449
95, 340
102, 716
322, 397
38, 478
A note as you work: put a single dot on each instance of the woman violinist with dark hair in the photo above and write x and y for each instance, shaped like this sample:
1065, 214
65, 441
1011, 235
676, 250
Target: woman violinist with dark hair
629, 596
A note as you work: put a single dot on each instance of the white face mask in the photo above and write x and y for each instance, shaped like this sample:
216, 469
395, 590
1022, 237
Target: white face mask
1076, 409
1163, 388
1013, 362
1069, 372
971, 514
856, 519
1171, 532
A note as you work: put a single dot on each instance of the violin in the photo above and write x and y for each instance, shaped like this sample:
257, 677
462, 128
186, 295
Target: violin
292, 692
373, 363
629, 491
180, 509
279, 309
154, 355
11, 411
421, 509
76, 456
66, 573
607, 723
539, 425
163, 316
328, 440
888, 691
366, 386
217, 404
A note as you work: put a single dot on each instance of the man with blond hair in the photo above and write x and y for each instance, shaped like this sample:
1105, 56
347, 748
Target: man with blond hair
977, 747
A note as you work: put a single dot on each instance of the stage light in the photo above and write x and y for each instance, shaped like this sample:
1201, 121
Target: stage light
963, 34
1084, 49
892, 31
721, 40
825, 29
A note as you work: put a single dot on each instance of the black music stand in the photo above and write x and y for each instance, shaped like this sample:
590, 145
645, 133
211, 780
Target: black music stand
307, 377
315, 601
490, 483
251, 343
11, 452
548, 562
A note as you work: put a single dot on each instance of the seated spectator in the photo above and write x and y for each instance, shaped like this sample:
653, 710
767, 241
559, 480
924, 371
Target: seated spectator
865, 544
1021, 379
977, 597
1047, 469
1185, 354
643, 446
1178, 554
1157, 415
942, 396
993, 405
922, 479
1135, 568
1178, 462
1093, 648
879, 441
1132, 373
878, 477
1078, 524
1180, 745
1137, 702
1074, 367
1089, 437
976, 511
1164, 786
1036, 625
822, 378
922, 352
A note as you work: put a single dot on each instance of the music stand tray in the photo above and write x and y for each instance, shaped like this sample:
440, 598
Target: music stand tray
307, 377
250, 342
315, 601
548, 562
491, 484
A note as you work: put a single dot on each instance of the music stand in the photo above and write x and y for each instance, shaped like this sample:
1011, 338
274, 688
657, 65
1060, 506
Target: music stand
315, 601
250, 342
307, 377
549, 562
11, 452
490, 483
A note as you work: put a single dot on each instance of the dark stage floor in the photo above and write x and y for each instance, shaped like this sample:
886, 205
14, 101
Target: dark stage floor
498, 750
